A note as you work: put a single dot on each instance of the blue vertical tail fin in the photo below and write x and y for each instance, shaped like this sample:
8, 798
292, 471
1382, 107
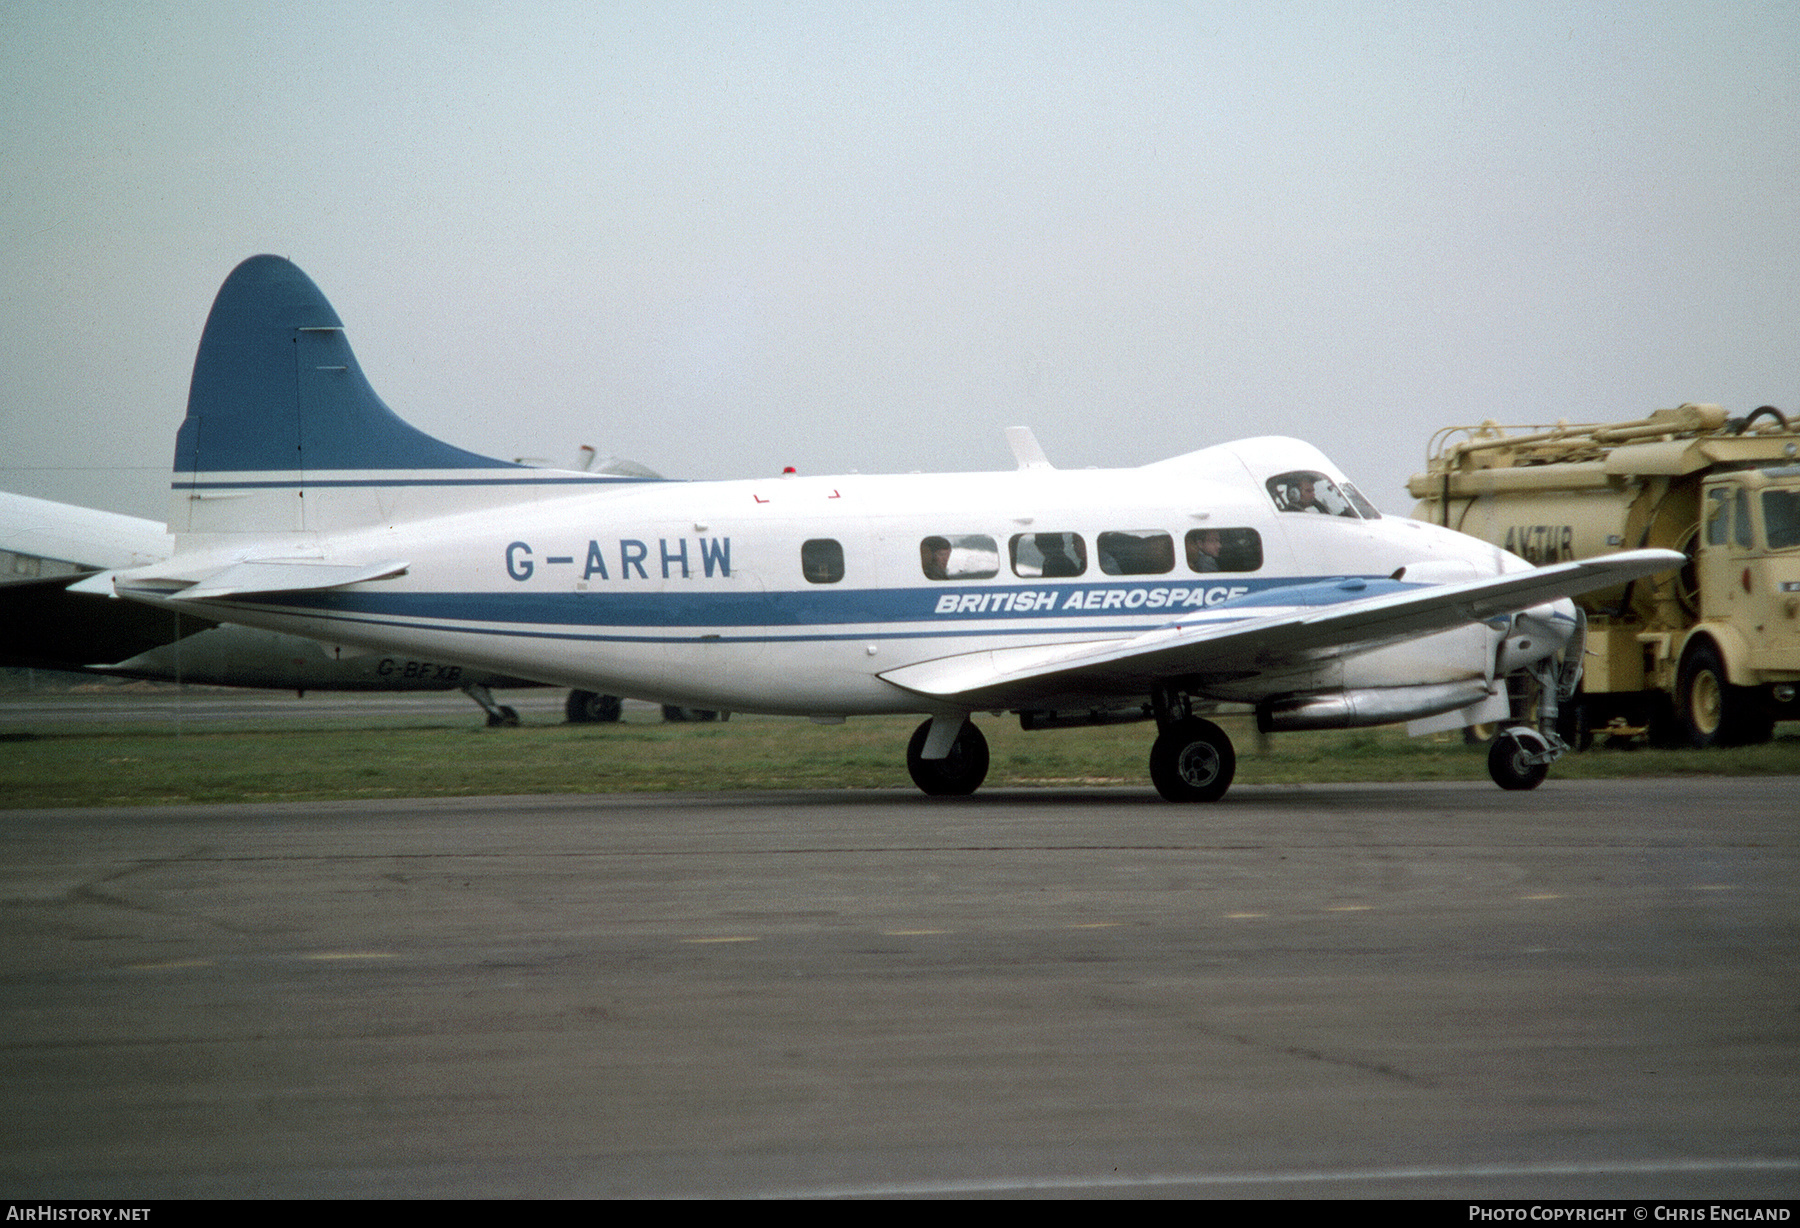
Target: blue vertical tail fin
284, 433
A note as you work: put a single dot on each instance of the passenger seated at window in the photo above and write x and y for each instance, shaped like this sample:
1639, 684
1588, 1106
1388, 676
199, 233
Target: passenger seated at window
1052, 556
1210, 550
971, 556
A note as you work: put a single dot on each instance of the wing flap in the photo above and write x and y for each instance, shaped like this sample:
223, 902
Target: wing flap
1131, 666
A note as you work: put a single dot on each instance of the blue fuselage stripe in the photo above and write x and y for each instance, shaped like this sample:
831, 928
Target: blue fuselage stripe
826, 614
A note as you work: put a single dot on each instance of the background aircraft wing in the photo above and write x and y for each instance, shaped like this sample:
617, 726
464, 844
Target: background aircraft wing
1250, 645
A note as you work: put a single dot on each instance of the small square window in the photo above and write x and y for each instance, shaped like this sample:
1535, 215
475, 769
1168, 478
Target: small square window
822, 561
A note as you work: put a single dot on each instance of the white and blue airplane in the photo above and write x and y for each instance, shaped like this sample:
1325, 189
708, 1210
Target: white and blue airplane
1250, 572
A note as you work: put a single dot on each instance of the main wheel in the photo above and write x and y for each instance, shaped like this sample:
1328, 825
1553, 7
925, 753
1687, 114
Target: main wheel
956, 774
1508, 765
587, 707
1192, 761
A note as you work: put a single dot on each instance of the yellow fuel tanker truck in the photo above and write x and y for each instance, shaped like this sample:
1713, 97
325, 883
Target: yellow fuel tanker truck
1707, 655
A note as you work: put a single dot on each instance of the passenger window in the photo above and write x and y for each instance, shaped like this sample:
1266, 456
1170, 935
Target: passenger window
1781, 518
1052, 556
822, 561
1140, 552
972, 556
1306, 490
1224, 550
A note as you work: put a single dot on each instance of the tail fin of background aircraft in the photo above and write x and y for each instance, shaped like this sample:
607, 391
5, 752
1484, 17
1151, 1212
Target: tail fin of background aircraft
284, 433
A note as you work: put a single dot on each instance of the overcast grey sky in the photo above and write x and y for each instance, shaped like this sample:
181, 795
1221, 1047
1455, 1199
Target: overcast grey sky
721, 238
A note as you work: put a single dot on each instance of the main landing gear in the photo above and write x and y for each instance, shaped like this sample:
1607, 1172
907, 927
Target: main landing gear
1192, 759
499, 715
947, 757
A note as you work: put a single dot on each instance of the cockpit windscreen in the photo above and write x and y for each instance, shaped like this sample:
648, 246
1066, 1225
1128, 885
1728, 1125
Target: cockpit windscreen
1306, 490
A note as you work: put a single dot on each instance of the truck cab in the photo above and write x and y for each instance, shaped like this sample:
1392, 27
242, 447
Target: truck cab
1748, 570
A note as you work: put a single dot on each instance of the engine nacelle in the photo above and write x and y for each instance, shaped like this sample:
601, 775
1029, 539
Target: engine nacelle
1355, 709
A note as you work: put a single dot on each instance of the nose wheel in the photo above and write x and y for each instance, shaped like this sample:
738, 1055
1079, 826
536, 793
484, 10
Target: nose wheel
1519, 759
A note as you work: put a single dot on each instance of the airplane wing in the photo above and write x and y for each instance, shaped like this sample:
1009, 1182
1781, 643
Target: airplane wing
1248, 645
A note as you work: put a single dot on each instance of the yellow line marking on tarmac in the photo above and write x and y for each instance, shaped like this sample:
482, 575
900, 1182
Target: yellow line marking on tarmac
1350, 908
1244, 916
726, 938
332, 955
1548, 895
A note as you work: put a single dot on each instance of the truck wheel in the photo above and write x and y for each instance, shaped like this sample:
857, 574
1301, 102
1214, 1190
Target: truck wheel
1715, 713
1704, 698
1507, 765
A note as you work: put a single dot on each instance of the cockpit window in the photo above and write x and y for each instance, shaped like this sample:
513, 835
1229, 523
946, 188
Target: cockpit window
1305, 490
1368, 510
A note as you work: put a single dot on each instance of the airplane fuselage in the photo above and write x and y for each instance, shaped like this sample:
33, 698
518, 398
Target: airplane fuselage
793, 595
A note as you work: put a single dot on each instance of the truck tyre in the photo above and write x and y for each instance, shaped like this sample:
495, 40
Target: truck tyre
1712, 711
1701, 696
